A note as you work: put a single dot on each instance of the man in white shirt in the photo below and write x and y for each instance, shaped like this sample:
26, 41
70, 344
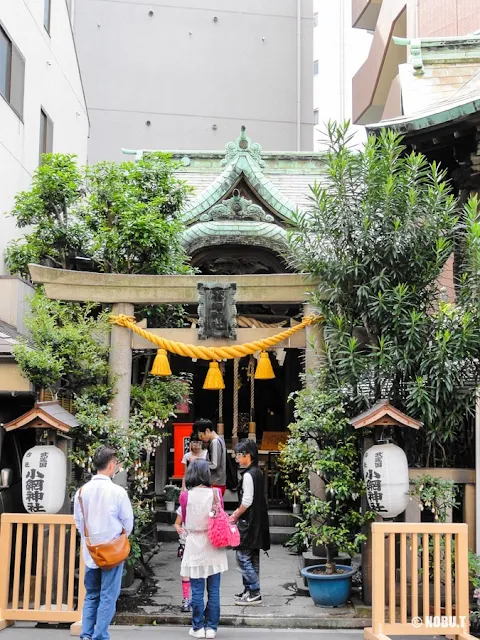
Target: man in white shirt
107, 511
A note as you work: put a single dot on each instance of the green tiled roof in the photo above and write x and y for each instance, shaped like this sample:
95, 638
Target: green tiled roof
242, 159
213, 232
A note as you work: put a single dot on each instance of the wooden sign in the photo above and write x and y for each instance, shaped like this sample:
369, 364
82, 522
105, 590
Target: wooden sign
271, 440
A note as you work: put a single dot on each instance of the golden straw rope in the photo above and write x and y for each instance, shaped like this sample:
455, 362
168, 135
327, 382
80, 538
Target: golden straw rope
212, 353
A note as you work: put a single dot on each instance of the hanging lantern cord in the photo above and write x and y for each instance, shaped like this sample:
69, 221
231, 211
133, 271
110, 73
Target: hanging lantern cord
221, 426
235, 401
252, 427
251, 371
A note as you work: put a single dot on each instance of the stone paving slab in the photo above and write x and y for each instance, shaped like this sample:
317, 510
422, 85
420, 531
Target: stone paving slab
282, 606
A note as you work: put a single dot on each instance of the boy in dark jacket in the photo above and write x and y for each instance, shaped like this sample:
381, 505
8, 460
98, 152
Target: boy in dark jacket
251, 517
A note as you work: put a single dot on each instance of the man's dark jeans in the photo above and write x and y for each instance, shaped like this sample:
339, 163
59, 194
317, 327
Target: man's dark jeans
248, 561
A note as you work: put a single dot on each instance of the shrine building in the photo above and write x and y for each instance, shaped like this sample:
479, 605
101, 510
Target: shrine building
237, 219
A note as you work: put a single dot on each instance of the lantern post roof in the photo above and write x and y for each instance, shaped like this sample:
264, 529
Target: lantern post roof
45, 415
384, 414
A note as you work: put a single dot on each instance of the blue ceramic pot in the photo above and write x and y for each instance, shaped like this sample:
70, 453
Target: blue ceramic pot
329, 591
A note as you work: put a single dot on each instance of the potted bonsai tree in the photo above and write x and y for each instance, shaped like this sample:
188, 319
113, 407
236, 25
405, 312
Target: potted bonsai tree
172, 492
323, 442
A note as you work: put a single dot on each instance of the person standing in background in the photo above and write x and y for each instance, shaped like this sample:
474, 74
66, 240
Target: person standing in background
217, 453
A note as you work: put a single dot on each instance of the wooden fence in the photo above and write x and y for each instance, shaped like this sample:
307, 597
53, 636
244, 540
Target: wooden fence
435, 598
40, 577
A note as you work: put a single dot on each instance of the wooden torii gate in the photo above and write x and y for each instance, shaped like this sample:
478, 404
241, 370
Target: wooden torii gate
125, 291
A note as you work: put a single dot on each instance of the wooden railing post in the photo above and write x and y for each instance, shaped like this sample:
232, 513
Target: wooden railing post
461, 578
441, 619
378, 579
59, 562
5, 559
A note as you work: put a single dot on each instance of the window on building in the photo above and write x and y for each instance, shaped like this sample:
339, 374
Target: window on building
315, 19
315, 68
12, 73
46, 134
5, 64
47, 8
315, 116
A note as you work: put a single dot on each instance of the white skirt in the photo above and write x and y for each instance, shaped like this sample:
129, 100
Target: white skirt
200, 558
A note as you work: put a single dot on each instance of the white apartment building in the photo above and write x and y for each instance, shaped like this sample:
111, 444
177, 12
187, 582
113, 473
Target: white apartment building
42, 103
339, 51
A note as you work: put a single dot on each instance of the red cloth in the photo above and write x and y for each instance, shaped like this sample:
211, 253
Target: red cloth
221, 487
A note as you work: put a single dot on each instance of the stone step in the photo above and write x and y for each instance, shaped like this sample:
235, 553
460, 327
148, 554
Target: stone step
166, 532
276, 517
281, 535
278, 535
281, 518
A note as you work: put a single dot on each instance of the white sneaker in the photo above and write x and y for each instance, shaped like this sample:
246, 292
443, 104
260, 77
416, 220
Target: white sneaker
210, 633
199, 633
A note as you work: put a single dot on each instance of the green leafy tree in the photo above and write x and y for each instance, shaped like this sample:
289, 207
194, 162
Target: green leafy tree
323, 442
58, 236
381, 228
67, 353
67, 347
114, 218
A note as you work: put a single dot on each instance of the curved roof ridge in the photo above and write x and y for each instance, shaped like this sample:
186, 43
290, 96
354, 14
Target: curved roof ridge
241, 157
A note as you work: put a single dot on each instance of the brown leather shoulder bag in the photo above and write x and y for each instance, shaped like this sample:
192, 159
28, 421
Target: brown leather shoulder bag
106, 555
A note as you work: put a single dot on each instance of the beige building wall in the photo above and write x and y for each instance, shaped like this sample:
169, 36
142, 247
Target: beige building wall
187, 75
11, 380
373, 96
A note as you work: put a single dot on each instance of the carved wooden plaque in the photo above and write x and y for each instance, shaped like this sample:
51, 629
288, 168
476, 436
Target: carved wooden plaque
217, 311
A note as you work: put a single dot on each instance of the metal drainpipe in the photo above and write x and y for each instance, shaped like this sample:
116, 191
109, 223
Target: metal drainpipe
342, 61
299, 71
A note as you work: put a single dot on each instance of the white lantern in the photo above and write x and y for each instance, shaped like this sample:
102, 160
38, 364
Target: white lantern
44, 479
385, 470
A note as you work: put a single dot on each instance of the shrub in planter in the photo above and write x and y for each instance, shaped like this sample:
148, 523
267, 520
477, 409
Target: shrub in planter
322, 441
172, 493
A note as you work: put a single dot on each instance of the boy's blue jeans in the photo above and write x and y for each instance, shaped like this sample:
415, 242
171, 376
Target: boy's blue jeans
102, 590
208, 616
248, 561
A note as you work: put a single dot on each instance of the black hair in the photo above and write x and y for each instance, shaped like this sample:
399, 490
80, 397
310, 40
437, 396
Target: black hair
195, 437
198, 473
248, 446
103, 456
201, 425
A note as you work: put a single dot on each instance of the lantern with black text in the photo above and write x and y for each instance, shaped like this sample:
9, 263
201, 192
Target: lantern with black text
385, 470
44, 479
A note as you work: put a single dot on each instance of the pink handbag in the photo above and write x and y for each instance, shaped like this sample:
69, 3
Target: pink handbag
221, 532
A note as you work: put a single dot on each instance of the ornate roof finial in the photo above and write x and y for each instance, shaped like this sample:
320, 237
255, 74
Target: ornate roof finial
243, 145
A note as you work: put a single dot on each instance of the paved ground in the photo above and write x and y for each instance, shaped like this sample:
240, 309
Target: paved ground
179, 633
282, 607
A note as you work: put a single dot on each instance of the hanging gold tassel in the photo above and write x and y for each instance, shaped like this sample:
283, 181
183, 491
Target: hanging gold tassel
264, 368
161, 366
214, 378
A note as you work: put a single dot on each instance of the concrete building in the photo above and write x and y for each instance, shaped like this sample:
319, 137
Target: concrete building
42, 109
376, 86
187, 75
339, 50
42, 104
